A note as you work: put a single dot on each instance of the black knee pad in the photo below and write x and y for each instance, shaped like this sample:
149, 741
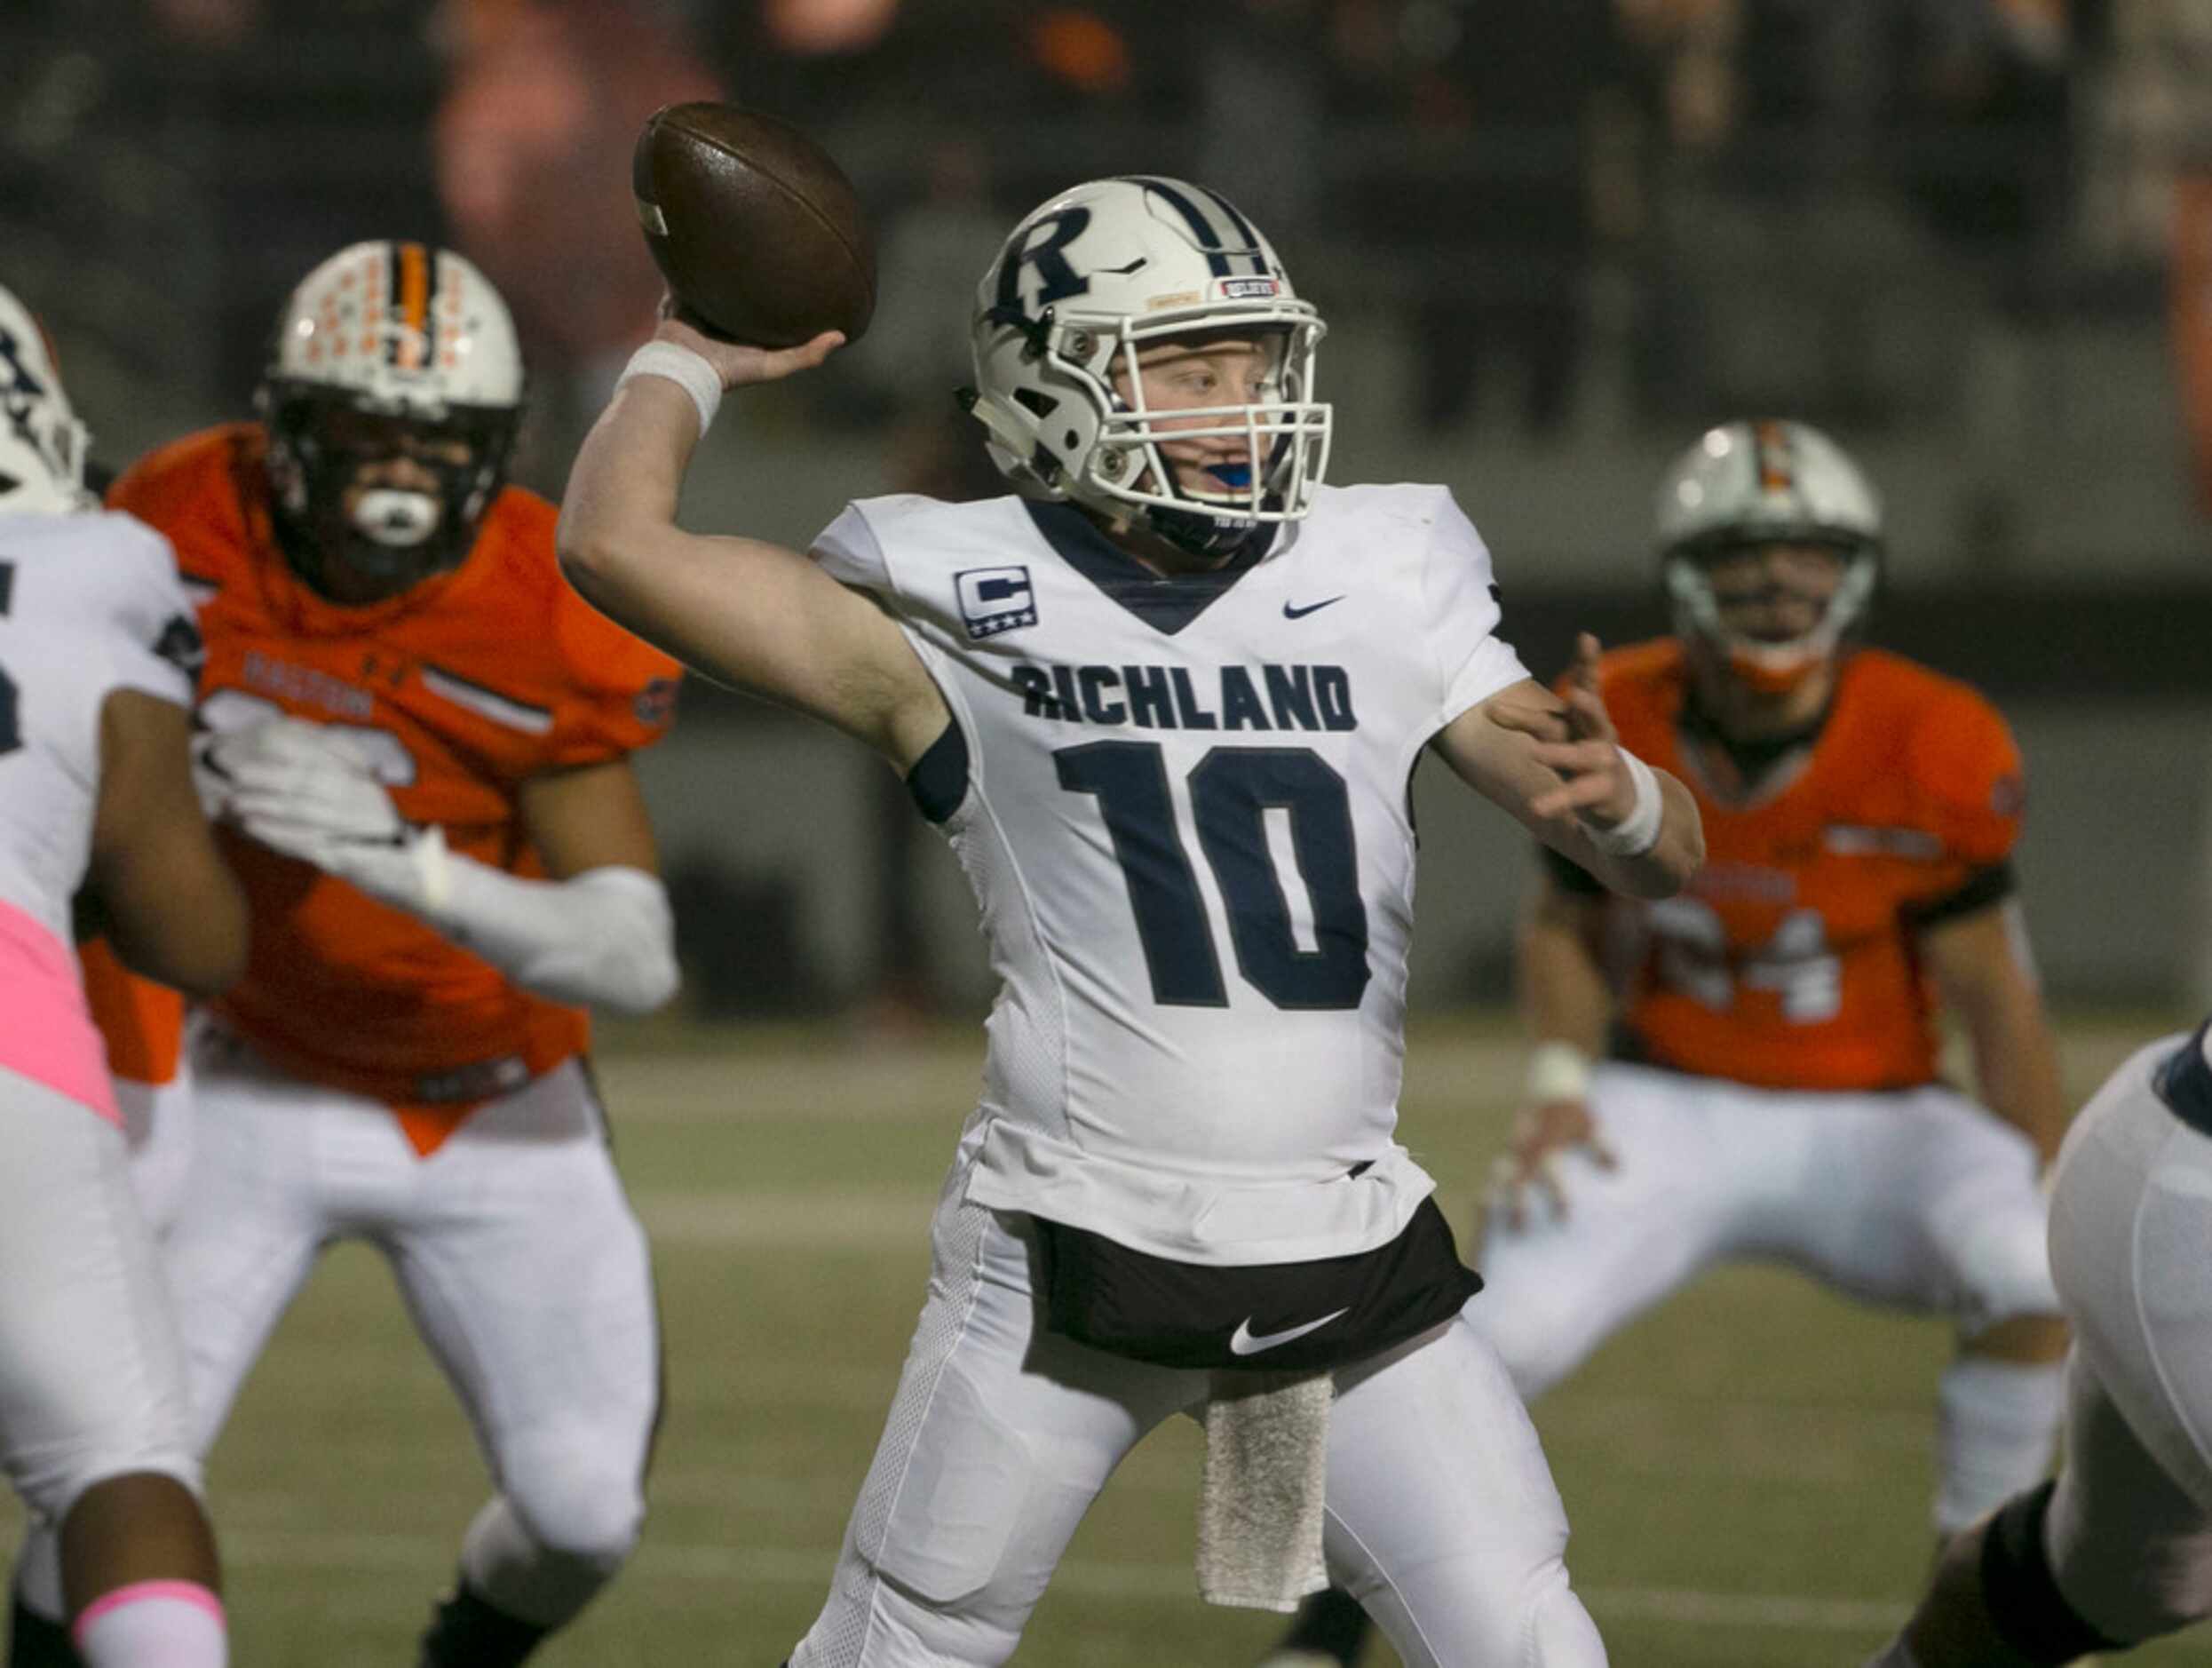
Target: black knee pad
2022, 1597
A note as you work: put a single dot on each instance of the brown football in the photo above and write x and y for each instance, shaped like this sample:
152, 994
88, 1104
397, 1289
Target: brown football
758, 232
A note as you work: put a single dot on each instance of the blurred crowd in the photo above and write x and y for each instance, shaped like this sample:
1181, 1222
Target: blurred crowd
1727, 175
1704, 206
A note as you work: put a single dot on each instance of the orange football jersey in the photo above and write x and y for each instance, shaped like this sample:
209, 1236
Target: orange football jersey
143, 1022
462, 687
1792, 959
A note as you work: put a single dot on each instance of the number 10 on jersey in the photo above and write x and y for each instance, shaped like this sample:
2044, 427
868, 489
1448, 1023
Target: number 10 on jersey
1231, 790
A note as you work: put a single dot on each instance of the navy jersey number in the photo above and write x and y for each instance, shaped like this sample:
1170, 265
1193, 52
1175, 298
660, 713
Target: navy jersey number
1231, 790
10, 731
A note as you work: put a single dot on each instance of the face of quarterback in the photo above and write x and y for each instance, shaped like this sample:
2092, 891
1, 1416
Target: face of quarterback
1775, 593
1184, 374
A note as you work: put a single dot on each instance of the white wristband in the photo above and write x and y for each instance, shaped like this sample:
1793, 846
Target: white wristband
1638, 832
687, 368
1557, 1071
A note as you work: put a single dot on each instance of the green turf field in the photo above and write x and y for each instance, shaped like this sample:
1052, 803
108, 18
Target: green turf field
1747, 1472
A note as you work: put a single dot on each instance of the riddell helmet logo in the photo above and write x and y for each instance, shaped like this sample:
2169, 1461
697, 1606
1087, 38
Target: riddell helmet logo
1248, 289
994, 599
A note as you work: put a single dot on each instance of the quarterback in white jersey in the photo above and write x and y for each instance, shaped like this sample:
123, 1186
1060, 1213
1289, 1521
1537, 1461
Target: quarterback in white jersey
2117, 1549
97, 802
1165, 704
1232, 748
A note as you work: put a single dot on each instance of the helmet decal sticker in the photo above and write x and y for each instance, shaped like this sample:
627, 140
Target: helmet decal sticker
1058, 280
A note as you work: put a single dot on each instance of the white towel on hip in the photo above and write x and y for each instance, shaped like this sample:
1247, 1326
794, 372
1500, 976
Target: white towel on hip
1260, 1505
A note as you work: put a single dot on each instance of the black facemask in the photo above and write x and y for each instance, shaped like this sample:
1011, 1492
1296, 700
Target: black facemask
392, 536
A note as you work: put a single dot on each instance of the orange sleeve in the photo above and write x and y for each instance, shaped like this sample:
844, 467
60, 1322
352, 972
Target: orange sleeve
1967, 778
142, 1022
163, 485
621, 691
189, 492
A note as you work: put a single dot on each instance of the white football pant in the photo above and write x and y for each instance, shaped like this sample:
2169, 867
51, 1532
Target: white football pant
1442, 1518
91, 1381
515, 1248
157, 1123
2130, 1530
1918, 1199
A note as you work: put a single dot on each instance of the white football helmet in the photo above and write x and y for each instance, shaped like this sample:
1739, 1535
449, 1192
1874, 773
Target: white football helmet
42, 443
1086, 280
388, 349
1767, 484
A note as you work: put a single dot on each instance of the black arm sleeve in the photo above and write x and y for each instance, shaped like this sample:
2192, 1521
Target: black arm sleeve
1979, 891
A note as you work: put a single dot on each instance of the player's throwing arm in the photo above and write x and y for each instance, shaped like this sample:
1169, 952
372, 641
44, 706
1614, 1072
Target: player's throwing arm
743, 610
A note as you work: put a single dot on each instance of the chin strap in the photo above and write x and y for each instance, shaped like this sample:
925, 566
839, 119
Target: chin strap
1196, 533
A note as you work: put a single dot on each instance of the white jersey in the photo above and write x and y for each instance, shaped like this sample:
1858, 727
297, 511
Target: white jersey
88, 604
1186, 820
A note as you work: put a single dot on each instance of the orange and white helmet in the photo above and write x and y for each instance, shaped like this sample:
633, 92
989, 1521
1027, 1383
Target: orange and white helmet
1086, 280
388, 348
1747, 484
42, 443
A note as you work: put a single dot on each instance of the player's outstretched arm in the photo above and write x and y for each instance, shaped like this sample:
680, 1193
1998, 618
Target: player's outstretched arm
743, 610
1560, 986
1982, 969
597, 931
1558, 766
171, 906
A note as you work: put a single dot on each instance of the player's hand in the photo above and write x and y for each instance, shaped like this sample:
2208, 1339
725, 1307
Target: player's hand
210, 780
1595, 783
311, 792
305, 783
1529, 1169
735, 362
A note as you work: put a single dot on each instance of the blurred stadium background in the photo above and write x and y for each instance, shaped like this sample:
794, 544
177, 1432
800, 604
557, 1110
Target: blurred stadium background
1554, 239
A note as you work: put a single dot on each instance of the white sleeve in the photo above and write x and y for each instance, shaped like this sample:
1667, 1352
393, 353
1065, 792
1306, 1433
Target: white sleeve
848, 550
605, 937
152, 638
1461, 612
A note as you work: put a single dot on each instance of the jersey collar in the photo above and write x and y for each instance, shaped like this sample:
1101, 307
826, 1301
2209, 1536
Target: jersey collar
1167, 602
1755, 761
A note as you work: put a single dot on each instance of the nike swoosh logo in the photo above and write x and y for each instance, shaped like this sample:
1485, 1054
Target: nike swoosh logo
1245, 1341
1290, 613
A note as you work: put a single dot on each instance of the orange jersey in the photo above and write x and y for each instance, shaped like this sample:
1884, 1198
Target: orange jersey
1792, 959
143, 1022
464, 687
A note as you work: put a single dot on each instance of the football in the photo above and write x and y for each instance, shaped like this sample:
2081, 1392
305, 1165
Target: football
757, 230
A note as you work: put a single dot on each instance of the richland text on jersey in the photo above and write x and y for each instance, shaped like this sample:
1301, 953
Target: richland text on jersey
1169, 698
